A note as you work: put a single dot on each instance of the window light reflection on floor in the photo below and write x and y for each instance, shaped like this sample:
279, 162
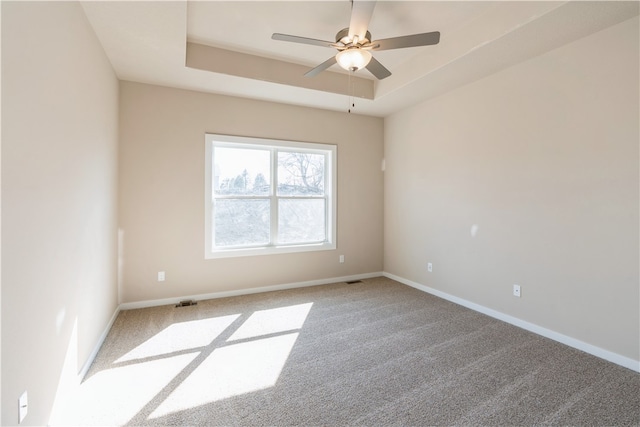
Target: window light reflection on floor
244, 367
181, 336
251, 359
231, 371
265, 322
114, 396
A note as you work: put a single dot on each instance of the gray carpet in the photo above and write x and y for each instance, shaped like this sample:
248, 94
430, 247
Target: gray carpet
370, 353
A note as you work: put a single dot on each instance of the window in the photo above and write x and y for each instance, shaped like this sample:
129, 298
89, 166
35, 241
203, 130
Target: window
266, 196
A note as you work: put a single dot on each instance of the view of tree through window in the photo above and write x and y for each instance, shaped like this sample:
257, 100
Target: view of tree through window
264, 195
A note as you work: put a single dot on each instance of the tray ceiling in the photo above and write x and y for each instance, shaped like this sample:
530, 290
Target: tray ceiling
225, 47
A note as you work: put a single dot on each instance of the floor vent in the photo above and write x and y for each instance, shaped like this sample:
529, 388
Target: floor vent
354, 281
186, 303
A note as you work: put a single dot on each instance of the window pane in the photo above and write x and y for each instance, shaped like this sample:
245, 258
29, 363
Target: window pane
241, 171
301, 221
300, 174
241, 222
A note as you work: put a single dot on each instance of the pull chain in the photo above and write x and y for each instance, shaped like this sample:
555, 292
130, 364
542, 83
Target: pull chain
350, 96
349, 93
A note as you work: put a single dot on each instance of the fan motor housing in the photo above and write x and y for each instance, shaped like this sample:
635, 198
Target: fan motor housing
344, 34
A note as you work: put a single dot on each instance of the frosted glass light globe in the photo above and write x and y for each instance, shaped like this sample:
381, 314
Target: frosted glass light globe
353, 59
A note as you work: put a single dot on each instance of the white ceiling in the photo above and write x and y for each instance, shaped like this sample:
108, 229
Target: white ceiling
147, 42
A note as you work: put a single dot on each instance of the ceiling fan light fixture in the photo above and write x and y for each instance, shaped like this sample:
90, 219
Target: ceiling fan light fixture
353, 59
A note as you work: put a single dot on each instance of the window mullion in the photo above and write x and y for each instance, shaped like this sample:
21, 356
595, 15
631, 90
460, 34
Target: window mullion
327, 200
273, 197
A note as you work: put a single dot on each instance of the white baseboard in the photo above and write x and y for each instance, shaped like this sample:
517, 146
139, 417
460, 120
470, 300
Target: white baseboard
214, 295
238, 292
618, 359
94, 353
564, 339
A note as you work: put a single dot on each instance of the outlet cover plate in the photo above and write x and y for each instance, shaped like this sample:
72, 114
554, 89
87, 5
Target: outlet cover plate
516, 291
23, 406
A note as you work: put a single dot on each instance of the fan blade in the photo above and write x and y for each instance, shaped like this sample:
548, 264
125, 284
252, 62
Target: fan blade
361, 12
377, 69
317, 70
303, 40
424, 39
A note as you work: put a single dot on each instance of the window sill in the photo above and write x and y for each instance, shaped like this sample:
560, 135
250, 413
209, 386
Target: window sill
271, 250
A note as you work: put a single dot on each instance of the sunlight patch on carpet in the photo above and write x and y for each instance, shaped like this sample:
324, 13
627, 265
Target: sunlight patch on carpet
114, 396
231, 371
179, 337
254, 363
275, 320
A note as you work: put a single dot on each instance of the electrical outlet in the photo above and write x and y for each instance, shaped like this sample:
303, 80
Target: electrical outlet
23, 407
429, 267
516, 291
341, 259
161, 276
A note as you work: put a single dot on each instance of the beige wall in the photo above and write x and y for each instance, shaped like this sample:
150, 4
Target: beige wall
543, 159
162, 191
59, 183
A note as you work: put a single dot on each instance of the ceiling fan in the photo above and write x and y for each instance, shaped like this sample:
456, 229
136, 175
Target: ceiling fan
354, 43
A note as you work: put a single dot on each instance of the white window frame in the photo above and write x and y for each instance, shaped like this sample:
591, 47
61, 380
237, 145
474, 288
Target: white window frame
331, 186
